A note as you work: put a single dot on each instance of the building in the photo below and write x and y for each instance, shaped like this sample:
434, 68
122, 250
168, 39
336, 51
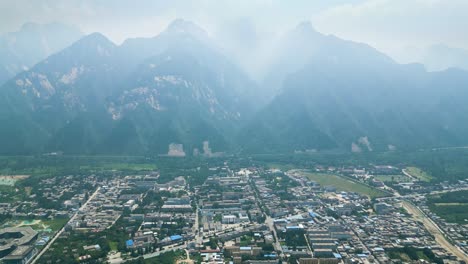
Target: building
319, 261
383, 208
229, 219
21, 255
14, 237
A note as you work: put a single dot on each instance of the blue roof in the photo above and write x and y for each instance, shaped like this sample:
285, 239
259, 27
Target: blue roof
280, 221
176, 237
245, 248
312, 214
129, 243
338, 256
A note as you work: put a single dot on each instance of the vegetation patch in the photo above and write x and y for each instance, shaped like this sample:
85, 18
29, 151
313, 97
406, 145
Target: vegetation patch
342, 184
451, 206
451, 213
37, 224
10, 180
418, 173
409, 254
393, 178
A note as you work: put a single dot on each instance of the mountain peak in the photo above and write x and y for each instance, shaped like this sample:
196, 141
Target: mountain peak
95, 38
96, 42
181, 26
304, 31
29, 26
305, 27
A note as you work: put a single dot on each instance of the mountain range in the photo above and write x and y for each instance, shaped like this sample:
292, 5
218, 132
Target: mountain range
138, 98
31, 44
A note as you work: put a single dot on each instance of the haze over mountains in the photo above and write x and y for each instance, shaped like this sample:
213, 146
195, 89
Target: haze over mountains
32, 43
318, 93
436, 57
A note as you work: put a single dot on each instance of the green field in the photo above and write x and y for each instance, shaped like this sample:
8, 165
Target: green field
113, 245
451, 213
283, 167
451, 206
121, 166
411, 254
61, 165
418, 173
344, 184
392, 178
38, 224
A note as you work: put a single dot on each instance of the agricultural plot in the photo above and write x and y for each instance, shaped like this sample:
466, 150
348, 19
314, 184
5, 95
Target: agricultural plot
343, 184
393, 178
451, 206
419, 174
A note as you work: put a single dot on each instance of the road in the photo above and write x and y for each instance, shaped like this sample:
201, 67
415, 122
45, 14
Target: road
168, 249
57, 235
268, 220
409, 175
434, 230
277, 245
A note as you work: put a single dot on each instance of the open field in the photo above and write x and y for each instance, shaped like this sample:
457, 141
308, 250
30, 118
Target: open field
122, 166
38, 224
457, 213
451, 206
61, 165
418, 173
283, 167
344, 184
113, 245
411, 254
442, 204
393, 178
9, 180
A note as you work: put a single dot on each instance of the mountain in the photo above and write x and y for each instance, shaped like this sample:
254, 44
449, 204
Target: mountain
54, 93
440, 57
351, 97
20, 50
178, 88
437, 57
98, 98
291, 53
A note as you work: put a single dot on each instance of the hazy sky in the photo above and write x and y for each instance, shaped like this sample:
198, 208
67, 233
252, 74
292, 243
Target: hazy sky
385, 24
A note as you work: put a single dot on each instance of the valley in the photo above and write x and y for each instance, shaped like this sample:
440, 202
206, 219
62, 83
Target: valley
152, 208
233, 132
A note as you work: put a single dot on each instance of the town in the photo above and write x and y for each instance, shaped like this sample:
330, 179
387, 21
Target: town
233, 214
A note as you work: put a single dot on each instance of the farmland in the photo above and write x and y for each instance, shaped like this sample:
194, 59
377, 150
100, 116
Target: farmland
344, 184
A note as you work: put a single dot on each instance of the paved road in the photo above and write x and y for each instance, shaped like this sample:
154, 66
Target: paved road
157, 253
409, 175
57, 235
277, 245
434, 230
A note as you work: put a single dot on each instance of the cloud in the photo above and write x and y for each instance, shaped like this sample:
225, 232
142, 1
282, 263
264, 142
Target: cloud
388, 24
119, 19
381, 23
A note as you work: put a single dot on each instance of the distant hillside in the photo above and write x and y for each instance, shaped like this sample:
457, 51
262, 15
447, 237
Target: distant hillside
179, 89
20, 50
